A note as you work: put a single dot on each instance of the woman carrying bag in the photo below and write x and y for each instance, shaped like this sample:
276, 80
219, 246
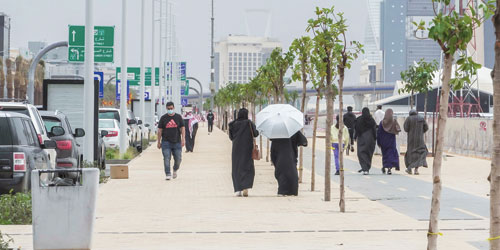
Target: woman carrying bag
242, 132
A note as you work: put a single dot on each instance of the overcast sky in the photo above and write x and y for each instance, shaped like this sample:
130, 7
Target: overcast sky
48, 20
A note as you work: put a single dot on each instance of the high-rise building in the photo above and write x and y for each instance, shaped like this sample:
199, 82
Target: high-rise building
4, 35
399, 43
373, 55
238, 57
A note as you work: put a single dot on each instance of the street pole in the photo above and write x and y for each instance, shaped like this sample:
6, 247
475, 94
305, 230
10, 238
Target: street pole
143, 70
162, 68
153, 71
123, 86
212, 59
88, 92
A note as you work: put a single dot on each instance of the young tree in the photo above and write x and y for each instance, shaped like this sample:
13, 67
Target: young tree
274, 70
302, 48
418, 79
10, 78
325, 39
453, 32
344, 56
495, 158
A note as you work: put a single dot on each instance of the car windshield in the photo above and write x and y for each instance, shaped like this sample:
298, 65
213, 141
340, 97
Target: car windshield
105, 114
106, 123
50, 122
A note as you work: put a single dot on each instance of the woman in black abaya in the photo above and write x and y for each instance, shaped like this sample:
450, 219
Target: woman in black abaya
365, 134
241, 131
284, 158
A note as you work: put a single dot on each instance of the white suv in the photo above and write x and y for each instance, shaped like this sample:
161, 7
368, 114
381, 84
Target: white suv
31, 111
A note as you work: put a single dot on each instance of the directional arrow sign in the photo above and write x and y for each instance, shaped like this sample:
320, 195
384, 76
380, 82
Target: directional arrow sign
104, 39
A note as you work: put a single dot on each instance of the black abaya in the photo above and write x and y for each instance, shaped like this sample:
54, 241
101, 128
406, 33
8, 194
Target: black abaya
284, 153
243, 169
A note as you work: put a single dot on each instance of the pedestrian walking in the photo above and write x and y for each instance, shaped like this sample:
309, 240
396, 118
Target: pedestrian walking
378, 116
191, 125
284, 153
365, 135
241, 132
171, 134
335, 143
386, 139
349, 122
210, 120
416, 153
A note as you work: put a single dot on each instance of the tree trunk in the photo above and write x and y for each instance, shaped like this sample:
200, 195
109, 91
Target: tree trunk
315, 127
303, 110
433, 232
495, 158
260, 135
341, 141
412, 101
267, 148
328, 132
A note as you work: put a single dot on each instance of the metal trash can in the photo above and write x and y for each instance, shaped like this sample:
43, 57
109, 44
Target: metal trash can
63, 216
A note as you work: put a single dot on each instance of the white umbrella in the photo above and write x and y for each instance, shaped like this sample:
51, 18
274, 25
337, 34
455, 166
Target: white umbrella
279, 121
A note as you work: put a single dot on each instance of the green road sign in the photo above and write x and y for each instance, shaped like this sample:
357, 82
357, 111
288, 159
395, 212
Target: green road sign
104, 36
104, 39
186, 88
134, 75
101, 54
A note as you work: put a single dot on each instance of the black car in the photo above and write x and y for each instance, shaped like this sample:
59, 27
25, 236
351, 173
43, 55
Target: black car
20, 153
68, 149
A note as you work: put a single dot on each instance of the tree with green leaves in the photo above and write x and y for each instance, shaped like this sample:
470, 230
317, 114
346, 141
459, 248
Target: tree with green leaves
452, 31
317, 76
344, 55
418, 79
329, 30
302, 48
495, 158
274, 70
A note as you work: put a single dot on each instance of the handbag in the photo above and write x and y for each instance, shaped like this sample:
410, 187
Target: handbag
255, 150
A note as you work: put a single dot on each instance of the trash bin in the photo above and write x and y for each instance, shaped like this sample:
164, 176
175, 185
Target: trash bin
63, 216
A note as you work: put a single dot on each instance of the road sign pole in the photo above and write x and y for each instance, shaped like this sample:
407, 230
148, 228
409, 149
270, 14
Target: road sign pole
162, 60
153, 71
123, 87
143, 70
88, 93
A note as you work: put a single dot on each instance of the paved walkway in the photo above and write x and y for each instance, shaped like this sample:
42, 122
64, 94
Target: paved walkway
198, 210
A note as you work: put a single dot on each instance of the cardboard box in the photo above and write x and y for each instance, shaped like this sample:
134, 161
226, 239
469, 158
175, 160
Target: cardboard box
119, 171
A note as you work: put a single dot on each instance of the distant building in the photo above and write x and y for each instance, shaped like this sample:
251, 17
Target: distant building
4, 35
373, 53
399, 45
238, 57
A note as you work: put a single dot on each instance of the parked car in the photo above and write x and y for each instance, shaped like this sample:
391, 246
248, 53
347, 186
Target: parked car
101, 148
112, 139
133, 132
21, 152
29, 110
145, 129
69, 153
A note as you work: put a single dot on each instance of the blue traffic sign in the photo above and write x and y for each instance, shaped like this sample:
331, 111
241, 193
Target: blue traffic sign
146, 96
100, 77
184, 101
118, 89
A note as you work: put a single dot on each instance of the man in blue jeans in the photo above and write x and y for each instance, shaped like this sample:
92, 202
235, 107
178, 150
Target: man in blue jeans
171, 139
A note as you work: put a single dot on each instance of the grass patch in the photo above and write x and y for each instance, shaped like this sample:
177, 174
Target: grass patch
15, 209
114, 153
